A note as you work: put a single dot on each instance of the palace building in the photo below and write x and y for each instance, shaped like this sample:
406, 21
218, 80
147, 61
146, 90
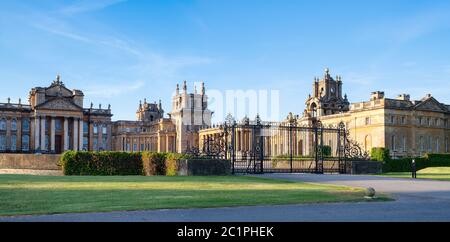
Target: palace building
55, 121
406, 127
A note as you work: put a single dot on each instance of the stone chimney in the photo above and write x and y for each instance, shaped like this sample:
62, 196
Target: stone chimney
404, 97
376, 95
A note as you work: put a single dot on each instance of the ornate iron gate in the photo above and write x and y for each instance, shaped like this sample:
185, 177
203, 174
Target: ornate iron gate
257, 147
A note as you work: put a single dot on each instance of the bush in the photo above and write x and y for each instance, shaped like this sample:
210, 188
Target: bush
101, 163
154, 163
380, 154
326, 151
404, 165
172, 164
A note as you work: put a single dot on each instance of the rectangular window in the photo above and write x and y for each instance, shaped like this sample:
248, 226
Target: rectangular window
2, 142
142, 147
58, 125
95, 129
85, 143
25, 125
2, 124
404, 144
95, 145
25, 143
134, 147
47, 142
85, 127
104, 130
393, 143
14, 125
367, 121
446, 145
104, 143
13, 143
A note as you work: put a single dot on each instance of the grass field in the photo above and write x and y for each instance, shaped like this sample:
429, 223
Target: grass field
26, 195
435, 173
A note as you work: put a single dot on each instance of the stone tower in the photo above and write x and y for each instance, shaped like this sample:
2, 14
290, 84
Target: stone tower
149, 112
189, 114
327, 97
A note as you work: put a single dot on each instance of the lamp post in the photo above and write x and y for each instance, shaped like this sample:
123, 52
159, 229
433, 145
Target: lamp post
413, 168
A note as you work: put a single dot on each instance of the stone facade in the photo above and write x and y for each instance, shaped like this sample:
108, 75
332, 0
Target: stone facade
55, 121
404, 126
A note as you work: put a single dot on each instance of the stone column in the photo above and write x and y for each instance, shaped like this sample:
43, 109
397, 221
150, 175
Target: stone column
66, 134
37, 130
167, 143
52, 135
75, 134
43, 134
80, 135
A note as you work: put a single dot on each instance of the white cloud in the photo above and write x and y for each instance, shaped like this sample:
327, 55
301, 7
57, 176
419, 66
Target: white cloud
82, 6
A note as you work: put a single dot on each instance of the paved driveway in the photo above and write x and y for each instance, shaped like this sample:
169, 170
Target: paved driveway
416, 201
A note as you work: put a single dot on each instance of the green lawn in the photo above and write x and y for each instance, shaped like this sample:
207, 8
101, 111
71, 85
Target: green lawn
22, 194
435, 173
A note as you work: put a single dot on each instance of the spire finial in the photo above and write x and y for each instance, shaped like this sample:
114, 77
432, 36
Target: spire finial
184, 86
203, 88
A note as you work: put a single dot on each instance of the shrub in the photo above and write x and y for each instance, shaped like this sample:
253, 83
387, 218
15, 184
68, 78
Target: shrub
380, 154
172, 163
154, 163
429, 160
101, 163
326, 151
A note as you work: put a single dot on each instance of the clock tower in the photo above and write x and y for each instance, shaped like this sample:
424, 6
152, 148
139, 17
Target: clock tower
327, 97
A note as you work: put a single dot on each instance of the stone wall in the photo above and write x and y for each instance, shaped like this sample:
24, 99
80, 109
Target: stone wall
204, 167
29, 161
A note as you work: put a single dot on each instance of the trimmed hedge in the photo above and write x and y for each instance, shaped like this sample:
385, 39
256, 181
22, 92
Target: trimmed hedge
404, 165
109, 163
101, 163
154, 163
380, 154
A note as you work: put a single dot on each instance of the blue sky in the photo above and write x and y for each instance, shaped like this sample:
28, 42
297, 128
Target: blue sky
121, 51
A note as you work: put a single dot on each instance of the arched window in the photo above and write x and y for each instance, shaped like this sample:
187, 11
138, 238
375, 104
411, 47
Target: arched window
14, 125
95, 129
25, 125
25, 143
314, 110
2, 124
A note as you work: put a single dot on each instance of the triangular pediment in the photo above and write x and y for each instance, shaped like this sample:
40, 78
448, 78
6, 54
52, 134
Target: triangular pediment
431, 104
58, 91
60, 104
